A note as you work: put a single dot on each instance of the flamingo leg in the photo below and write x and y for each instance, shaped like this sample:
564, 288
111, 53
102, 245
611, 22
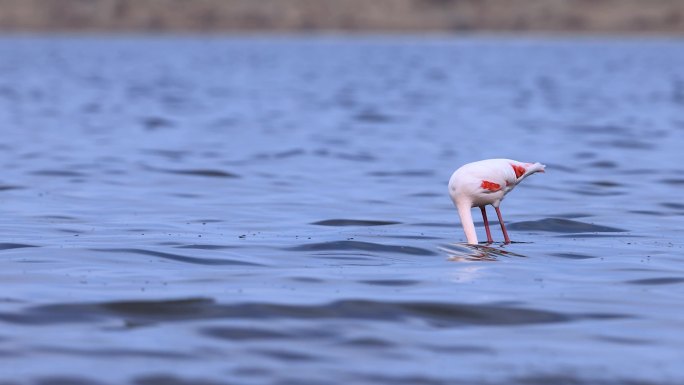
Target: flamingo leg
486, 223
503, 227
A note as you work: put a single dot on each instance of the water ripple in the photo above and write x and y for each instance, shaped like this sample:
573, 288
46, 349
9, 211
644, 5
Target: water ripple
9, 246
182, 258
65, 380
211, 173
363, 246
403, 173
207, 247
353, 222
390, 282
657, 281
6, 187
559, 225
167, 379
573, 256
58, 173
438, 314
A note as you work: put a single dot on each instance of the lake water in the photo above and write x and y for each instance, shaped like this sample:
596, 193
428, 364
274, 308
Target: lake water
274, 211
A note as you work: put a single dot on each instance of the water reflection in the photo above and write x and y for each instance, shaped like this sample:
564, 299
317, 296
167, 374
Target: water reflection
463, 252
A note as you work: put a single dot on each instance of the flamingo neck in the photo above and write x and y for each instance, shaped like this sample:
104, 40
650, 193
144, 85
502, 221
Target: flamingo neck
464, 211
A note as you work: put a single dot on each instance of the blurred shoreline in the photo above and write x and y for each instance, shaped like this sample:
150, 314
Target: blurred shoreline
558, 17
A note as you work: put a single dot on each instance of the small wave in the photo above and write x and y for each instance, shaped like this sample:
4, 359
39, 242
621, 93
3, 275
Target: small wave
595, 235
354, 222
409, 173
205, 221
289, 153
287, 355
358, 157
390, 282
114, 353
647, 212
373, 116
559, 225
565, 378
182, 258
414, 237
70, 231
307, 279
204, 172
572, 215
610, 129
607, 164
7, 187
626, 144
434, 224
605, 183
426, 194
211, 173
170, 379
657, 281
673, 181
59, 173
206, 247
363, 246
9, 246
596, 192
243, 333
439, 314
168, 154
152, 123
64, 218
369, 342
673, 205
624, 340
64, 380
573, 256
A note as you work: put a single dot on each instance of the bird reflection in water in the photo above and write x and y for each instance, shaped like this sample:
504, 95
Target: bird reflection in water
463, 252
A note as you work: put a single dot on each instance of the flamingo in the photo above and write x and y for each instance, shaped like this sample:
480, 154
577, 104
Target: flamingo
486, 182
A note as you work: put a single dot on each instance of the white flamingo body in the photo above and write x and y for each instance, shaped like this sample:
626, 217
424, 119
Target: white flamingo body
483, 183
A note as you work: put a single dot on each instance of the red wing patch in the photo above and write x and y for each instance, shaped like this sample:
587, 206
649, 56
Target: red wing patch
491, 186
519, 170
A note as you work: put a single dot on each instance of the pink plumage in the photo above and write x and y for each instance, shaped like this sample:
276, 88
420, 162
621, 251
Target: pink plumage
483, 183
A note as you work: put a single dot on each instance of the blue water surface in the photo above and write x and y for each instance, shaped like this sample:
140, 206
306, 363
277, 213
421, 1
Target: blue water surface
263, 210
